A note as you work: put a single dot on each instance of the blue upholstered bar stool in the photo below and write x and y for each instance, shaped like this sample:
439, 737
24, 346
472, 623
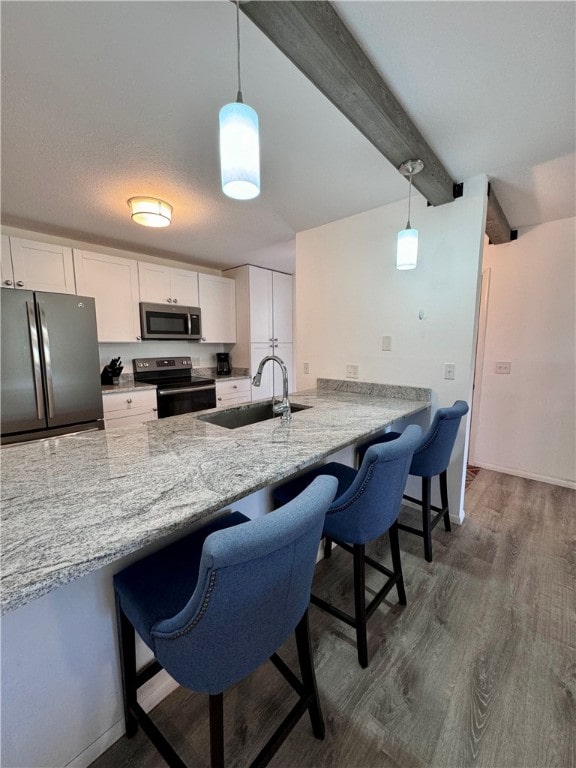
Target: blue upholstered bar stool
217, 604
366, 506
431, 458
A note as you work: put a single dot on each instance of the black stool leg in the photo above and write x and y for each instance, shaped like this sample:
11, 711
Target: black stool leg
397, 563
360, 604
426, 523
304, 647
327, 547
444, 500
127, 644
216, 707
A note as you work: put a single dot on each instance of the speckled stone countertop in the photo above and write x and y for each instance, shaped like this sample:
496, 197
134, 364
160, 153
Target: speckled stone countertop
72, 504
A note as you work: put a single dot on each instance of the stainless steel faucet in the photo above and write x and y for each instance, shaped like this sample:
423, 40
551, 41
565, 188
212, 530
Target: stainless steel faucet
283, 407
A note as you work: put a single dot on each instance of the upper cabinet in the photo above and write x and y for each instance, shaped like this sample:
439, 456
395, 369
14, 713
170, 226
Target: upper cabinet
167, 285
217, 302
113, 282
34, 266
264, 304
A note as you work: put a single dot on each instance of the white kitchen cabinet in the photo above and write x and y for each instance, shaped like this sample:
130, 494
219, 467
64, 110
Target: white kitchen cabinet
167, 285
34, 266
113, 282
217, 302
264, 312
233, 392
124, 409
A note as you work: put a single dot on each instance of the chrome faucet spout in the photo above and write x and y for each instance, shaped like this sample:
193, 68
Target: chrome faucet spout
282, 408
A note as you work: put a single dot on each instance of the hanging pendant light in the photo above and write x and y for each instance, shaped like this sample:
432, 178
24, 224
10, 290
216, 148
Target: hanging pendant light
239, 142
407, 245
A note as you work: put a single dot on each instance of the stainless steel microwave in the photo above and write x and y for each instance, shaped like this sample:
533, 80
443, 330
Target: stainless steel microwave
162, 321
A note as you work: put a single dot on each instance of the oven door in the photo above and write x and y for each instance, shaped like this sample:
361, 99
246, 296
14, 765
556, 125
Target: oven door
179, 400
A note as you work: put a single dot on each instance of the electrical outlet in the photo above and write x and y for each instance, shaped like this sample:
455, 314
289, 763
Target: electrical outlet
351, 371
386, 343
195, 362
306, 367
449, 371
503, 367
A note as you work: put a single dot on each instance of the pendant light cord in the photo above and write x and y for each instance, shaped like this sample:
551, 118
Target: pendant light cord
239, 95
409, 196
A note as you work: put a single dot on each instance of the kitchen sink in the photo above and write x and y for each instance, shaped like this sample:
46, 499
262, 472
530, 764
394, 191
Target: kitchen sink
245, 415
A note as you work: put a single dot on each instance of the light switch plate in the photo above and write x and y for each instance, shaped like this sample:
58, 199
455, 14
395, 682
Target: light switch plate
386, 343
449, 371
306, 367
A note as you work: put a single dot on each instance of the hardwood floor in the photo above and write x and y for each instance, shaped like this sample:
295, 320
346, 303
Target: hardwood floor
479, 669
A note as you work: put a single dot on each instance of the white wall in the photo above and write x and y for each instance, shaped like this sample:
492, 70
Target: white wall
527, 419
349, 294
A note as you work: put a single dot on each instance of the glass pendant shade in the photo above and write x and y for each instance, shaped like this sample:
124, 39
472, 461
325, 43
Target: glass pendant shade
239, 151
150, 212
407, 249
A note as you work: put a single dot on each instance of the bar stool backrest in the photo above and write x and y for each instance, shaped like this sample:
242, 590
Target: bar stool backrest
372, 503
433, 455
253, 588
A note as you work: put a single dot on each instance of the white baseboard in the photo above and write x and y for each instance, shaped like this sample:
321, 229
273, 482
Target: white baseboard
151, 694
528, 475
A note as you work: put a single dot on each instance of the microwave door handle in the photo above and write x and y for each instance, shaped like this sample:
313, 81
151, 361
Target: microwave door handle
33, 329
47, 359
189, 321
183, 390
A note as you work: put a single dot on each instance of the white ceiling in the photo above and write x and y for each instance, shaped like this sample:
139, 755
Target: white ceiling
105, 100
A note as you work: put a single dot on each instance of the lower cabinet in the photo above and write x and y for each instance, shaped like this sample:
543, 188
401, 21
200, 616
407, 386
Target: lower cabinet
233, 392
124, 409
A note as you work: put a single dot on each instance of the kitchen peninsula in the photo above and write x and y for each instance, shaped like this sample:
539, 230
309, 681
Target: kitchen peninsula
78, 508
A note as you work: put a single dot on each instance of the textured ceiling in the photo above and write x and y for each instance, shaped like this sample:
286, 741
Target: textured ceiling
105, 100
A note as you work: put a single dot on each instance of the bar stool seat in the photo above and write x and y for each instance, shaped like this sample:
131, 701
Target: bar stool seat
431, 459
366, 506
216, 605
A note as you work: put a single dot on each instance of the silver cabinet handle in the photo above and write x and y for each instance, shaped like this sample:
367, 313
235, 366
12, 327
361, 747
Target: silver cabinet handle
175, 301
35, 360
138, 338
276, 339
7, 282
19, 283
219, 399
203, 338
154, 409
129, 400
47, 359
234, 386
169, 301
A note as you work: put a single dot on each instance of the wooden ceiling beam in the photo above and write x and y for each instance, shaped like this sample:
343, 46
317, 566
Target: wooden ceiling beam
497, 227
312, 35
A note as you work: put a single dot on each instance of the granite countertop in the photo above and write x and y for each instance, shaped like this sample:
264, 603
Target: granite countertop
125, 386
233, 377
73, 504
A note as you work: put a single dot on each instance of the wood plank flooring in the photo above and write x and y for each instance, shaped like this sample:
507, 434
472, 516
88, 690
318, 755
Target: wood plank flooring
479, 669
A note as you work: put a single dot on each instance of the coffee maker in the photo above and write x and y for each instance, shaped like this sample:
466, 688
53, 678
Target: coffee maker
223, 364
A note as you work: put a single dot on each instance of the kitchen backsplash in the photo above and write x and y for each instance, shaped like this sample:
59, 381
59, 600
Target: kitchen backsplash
203, 355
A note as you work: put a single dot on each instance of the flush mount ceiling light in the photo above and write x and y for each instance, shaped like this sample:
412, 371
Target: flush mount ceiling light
150, 212
239, 142
407, 246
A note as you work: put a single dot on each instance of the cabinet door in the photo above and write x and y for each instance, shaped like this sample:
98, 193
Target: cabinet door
154, 282
113, 282
184, 287
217, 300
285, 351
260, 304
6, 263
282, 306
257, 352
42, 266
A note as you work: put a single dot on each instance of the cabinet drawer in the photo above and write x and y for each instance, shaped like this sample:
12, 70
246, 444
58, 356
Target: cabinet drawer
121, 402
240, 386
225, 401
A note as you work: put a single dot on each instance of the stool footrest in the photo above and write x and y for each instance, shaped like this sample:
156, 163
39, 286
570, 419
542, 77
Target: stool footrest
156, 737
280, 734
289, 676
148, 672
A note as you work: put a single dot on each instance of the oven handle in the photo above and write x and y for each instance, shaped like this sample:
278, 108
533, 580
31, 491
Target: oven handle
183, 390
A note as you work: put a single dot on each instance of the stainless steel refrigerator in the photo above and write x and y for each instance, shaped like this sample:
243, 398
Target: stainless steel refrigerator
50, 368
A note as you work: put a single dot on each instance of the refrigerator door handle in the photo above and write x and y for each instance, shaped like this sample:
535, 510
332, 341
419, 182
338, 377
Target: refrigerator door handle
47, 359
35, 360
32, 327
